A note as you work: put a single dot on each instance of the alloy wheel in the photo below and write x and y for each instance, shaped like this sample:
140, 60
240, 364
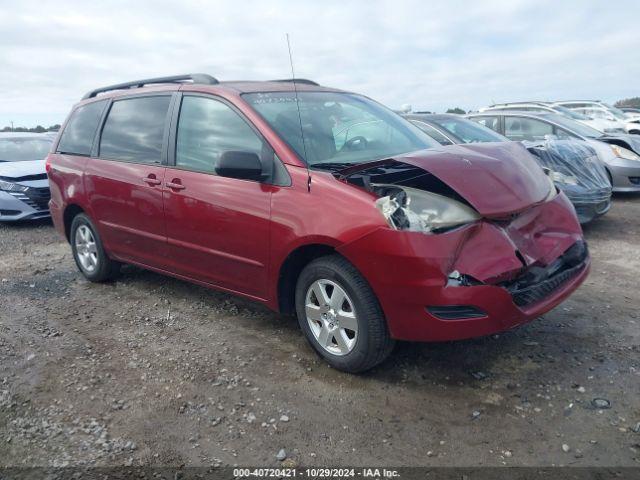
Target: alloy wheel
331, 317
86, 248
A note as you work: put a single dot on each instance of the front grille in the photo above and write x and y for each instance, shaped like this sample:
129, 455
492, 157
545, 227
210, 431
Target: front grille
538, 283
530, 295
36, 198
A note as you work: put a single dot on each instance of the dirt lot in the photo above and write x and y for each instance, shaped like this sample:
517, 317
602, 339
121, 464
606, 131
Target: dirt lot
152, 370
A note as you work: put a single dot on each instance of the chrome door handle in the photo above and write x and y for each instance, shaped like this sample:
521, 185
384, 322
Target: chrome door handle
175, 186
151, 180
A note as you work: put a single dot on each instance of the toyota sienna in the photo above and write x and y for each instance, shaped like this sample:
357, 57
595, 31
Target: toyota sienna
316, 202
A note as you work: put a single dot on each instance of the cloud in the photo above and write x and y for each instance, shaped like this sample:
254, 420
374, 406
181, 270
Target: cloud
433, 55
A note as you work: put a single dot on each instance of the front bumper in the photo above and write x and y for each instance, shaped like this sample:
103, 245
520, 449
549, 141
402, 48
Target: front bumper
411, 273
587, 212
589, 204
31, 205
625, 174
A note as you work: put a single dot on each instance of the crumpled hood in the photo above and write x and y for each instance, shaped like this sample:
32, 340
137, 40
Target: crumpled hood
22, 169
495, 178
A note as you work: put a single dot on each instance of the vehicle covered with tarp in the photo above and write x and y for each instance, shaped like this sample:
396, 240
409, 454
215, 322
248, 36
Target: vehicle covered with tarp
577, 171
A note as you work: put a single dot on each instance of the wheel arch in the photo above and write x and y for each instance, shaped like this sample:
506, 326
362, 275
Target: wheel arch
290, 271
69, 214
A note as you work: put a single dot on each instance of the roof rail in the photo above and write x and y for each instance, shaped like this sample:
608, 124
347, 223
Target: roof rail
201, 78
297, 80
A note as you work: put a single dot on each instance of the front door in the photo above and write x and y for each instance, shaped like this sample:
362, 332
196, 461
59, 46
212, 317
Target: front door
217, 228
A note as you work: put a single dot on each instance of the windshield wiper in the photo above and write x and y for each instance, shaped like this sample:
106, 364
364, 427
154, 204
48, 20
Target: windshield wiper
333, 165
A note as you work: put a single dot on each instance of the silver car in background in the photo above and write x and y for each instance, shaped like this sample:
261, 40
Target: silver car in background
24, 187
601, 123
600, 110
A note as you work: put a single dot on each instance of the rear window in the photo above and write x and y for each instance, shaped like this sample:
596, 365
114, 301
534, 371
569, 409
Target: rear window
80, 130
134, 129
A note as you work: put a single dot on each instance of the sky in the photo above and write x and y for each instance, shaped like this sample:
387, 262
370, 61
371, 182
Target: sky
432, 55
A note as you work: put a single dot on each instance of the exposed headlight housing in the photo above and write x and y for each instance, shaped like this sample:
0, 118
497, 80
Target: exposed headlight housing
624, 153
12, 187
406, 208
558, 177
552, 186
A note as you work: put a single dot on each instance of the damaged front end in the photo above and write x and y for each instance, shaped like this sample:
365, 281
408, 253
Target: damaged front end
575, 169
451, 267
537, 282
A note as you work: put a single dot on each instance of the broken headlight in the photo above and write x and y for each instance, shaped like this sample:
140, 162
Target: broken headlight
415, 210
624, 153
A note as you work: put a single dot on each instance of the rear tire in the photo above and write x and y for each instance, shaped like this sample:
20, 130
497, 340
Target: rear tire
341, 316
88, 252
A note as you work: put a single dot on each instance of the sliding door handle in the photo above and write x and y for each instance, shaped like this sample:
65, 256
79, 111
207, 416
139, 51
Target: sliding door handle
151, 180
175, 185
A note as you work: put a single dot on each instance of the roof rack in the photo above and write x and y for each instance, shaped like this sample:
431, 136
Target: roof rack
201, 78
535, 102
297, 80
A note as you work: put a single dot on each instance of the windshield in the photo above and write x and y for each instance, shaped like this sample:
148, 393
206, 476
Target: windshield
570, 113
468, 131
20, 149
575, 127
339, 128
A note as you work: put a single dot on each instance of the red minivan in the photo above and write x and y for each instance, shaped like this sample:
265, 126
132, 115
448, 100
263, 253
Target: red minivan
313, 201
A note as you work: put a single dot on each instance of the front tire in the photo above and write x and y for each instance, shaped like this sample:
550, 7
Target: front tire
88, 252
340, 315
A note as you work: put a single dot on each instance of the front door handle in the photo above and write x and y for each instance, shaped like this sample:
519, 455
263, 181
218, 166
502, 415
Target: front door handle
175, 184
151, 180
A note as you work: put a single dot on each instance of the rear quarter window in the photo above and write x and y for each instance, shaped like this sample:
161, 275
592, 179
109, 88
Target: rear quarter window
78, 135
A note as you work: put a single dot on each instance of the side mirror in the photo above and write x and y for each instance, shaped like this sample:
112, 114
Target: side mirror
242, 165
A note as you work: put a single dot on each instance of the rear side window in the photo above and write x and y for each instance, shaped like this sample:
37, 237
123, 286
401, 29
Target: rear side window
517, 128
134, 129
489, 122
206, 129
77, 138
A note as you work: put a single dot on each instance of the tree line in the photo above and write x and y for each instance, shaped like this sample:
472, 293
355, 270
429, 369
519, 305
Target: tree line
36, 129
633, 102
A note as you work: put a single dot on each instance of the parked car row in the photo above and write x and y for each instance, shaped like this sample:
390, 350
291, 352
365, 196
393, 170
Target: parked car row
573, 166
595, 114
319, 203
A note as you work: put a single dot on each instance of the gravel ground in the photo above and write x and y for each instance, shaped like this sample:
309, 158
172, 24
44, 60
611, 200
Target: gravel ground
151, 370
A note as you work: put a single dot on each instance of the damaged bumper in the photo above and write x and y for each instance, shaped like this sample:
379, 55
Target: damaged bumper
590, 205
476, 280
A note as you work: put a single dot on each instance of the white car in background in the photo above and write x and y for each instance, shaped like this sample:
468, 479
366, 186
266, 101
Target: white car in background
601, 124
602, 111
24, 187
